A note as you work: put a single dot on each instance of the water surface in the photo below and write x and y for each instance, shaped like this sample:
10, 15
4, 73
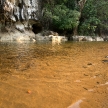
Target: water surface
42, 75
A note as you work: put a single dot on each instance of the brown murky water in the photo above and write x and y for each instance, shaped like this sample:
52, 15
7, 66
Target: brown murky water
70, 75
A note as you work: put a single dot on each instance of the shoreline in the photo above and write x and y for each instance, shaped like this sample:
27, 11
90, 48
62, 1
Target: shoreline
28, 35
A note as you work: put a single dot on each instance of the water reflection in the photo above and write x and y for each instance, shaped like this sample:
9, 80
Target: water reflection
14, 55
18, 55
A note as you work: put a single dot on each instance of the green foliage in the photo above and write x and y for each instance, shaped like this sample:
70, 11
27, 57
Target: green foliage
102, 12
89, 26
71, 4
90, 21
62, 17
66, 15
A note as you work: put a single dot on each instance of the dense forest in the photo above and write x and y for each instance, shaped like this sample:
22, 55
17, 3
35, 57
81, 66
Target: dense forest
81, 17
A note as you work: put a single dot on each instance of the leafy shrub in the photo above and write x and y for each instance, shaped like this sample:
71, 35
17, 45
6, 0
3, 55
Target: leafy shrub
62, 17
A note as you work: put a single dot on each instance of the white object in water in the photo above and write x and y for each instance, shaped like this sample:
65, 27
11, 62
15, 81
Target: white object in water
106, 57
76, 105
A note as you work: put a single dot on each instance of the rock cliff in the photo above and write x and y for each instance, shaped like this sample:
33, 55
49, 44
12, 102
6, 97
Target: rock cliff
19, 16
20, 9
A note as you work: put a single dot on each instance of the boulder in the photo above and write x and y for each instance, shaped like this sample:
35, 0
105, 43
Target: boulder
20, 27
17, 36
87, 38
97, 38
78, 38
105, 38
47, 33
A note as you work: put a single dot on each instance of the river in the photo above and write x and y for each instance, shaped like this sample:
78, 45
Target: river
42, 75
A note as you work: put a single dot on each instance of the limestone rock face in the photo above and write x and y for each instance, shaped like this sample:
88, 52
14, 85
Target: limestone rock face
21, 9
18, 19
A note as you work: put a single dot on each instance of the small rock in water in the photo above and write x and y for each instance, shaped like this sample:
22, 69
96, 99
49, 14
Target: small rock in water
106, 83
85, 88
89, 64
106, 57
98, 82
86, 75
105, 61
29, 92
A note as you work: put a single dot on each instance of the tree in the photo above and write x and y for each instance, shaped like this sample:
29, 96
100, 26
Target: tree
85, 17
89, 19
102, 13
94, 18
61, 17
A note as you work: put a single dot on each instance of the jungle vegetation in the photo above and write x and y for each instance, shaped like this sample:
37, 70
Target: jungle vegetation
78, 17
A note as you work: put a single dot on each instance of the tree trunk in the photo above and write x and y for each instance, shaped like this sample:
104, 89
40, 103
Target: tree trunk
81, 4
75, 31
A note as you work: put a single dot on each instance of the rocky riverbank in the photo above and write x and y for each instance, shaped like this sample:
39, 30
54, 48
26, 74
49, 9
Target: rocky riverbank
89, 38
20, 33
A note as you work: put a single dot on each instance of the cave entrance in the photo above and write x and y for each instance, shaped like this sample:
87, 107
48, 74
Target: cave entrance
37, 27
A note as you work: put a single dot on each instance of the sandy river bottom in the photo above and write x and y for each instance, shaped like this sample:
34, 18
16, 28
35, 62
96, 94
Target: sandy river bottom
71, 75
